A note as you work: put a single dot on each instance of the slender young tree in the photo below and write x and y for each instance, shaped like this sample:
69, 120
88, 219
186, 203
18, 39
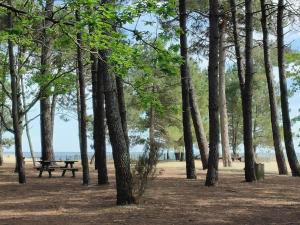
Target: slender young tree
187, 132
45, 105
27, 122
237, 47
99, 117
16, 106
152, 143
287, 129
78, 107
247, 95
280, 158
3, 98
83, 136
222, 98
94, 60
213, 160
99, 124
198, 126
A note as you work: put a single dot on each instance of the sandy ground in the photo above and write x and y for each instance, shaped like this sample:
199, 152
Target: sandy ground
170, 199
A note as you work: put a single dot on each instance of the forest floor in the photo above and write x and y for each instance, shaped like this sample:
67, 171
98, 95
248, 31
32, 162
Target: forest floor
170, 199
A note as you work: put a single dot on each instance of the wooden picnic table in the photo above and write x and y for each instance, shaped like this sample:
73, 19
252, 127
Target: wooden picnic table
50, 166
69, 166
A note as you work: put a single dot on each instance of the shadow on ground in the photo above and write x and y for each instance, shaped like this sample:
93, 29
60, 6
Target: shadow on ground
170, 199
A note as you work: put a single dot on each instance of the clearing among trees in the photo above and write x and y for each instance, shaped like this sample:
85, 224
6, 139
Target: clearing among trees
170, 199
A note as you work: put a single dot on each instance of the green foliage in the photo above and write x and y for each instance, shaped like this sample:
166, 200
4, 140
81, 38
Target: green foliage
156, 83
149, 65
262, 130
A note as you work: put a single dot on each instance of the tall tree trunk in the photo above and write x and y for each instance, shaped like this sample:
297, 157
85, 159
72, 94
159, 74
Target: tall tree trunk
116, 133
254, 132
26, 123
280, 158
122, 108
117, 138
3, 98
245, 81
99, 120
83, 139
94, 61
239, 58
17, 123
99, 116
198, 126
287, 129
222, 98
78, 107
1, 138
187, 132
247, 96
213, 160
239, 61
45, 106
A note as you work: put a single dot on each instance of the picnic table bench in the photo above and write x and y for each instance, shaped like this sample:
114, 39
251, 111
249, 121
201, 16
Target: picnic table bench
236, 157
69, 166
50, 166
233, 158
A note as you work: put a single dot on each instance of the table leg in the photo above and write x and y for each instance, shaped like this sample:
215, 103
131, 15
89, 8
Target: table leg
41, 172
64, 171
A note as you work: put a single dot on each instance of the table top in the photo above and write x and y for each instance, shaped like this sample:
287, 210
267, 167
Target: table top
50, 161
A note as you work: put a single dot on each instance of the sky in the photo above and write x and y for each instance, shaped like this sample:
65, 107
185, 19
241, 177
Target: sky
66, 133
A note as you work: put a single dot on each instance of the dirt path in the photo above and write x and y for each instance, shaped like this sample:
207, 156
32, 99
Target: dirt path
170, 199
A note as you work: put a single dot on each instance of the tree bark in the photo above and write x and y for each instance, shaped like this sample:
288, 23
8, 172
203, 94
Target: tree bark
83, 139
122, 107
198, 126
78, 107
222, 98
247, 96
187, 132
213, 160
17, 123
3, 100
280, 158
99, 116
287, 129
99, 119
239, 62
237, 47
1, 138
117, 138
45, 106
